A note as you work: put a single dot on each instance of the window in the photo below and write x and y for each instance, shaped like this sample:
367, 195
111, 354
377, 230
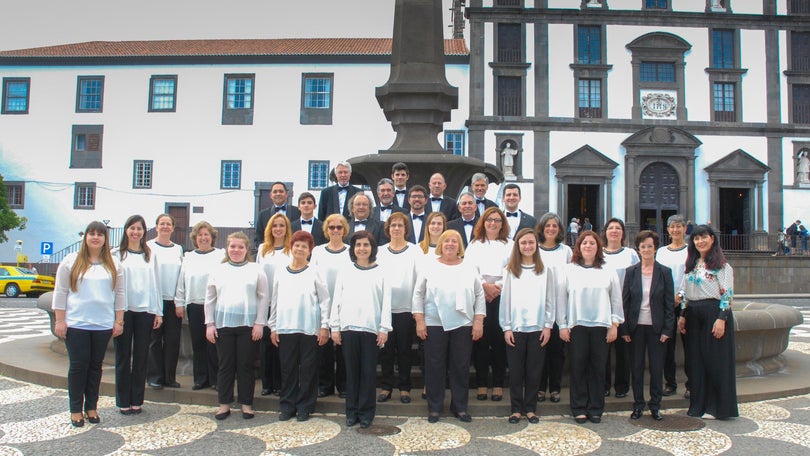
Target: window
589, 44
510, 43
799, 6
454, 142
90, 94
142, 174
590, 98
231, 177
162, 93
15, 194
724, 106
318, 174
799, 51
723, 49
86, 146
657, 72
15, 95
509, 96
801, 103
84, 195
656, 4
237, 103
316, 98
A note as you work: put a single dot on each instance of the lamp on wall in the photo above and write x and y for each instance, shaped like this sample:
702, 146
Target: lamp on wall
106, 222
250, 222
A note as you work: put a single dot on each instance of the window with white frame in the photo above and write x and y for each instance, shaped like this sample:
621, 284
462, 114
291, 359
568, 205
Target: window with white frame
90, 94
237, 99
454, 142
16, 95
316, 98
142, 174
163, 93
84, 195
318, 174
231, 175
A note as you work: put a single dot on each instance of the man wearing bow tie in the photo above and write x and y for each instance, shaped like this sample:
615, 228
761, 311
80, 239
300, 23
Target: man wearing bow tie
334, 198
400, 175
278, 194
361, 219
516, 218
438, 201
387, 206
308, 222
480, 184
466, 223
417, 199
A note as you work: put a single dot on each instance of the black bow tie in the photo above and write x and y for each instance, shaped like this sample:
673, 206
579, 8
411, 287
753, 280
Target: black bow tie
390, 207
401, 192
469, 222
306, 222
511, 214
479, 200
343, 189
435, 198
360, 222
420, 217
280, 208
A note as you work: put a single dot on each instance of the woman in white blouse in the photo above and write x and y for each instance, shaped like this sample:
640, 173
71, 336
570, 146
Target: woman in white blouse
144, 313
449, 309
527, 314
236, 302
436, 223
555, 255
164, 348
360, 321
299, 324
190, 300
589, 312
88, 304
489, 252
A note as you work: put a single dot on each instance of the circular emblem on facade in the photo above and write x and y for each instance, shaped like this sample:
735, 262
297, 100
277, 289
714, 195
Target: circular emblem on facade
658, 105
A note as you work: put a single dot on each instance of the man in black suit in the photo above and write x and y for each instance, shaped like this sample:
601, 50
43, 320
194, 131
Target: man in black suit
438, 201
333, 199
480, 184
278, 194
387, 206
308, 222
516, 218
466, 223
417, 199
361, 219
400, 175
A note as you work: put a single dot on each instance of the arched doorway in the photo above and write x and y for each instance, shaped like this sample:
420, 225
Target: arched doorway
658, 196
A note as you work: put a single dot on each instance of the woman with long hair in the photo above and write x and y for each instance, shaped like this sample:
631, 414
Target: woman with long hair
236, 303
436, 224
649, 322
489, 252
555, 255
705, 297
164, 348
88, 303
449, 309
527, 313
360, 320
190, 300
144, 313
589, 312
273, 253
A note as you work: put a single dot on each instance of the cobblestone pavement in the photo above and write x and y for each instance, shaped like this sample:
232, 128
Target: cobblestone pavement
34, 421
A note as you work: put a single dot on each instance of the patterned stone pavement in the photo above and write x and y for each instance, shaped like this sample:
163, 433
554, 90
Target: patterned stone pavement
34, 421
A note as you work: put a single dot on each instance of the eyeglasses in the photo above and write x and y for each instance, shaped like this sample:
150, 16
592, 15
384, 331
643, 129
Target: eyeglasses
335, 227
493, 220
416, 197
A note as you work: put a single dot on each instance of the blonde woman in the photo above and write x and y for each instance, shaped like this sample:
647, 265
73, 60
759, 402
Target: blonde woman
436, 223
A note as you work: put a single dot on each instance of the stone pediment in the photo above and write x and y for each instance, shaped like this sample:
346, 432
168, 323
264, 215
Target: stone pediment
662, 136
737, 165
585, 161
659, 40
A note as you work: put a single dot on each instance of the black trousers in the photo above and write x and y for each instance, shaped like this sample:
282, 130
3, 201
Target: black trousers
448, 353
588, 351
299, 377
621, 371
713, 381
397, 350
269, 363
669, 360
551, 375
526, 360
86, 353
331, 368
646, 342
360, 352
490, 350
204, 354
236, 351
131, 353
164, 347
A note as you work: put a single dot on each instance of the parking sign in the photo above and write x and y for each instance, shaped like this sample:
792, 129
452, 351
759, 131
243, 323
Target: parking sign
46, 248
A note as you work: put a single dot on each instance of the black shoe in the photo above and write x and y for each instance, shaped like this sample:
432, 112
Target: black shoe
324, 393
636, 414
424, 394
621, 395
464, 417
384, 396
656, 414
405, 398
342, 394
481, 397
285, 416
351, 421
581, 419
304, 416
670, 390
364, 424
172, 385
77, 423
155, 385
214, 387
125, 411
136, 411
199, 386
541, 396
607, 393
247, 415
687, 394
266, 391
555, 396
497, 397
93, 419
223, 415
433, 418
534, 419
514, 419
595, 419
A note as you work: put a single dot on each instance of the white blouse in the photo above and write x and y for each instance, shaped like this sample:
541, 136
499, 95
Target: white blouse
94, 303
489, 257
620, 260
449, 296
675, 260
361, 302
329, 262
557, 257
236, 295
194, 276
300, 302
169, 260
400, 274
589, 297
528, 302
143, 287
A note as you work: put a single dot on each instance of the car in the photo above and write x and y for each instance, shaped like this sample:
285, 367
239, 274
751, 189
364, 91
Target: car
15, 281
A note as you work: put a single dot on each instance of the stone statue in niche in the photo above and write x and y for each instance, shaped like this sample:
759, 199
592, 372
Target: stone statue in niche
717, 5
803, 167
508, 154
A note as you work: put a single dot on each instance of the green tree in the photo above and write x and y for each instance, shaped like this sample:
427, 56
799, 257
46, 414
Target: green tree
9, 219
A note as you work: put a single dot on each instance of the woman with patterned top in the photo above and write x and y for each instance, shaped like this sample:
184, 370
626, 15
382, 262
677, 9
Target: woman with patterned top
236, 302
705, 297
528, 300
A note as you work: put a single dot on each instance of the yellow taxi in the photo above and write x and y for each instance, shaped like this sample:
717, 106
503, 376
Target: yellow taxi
15, 281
